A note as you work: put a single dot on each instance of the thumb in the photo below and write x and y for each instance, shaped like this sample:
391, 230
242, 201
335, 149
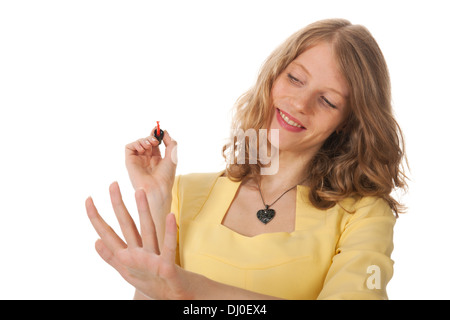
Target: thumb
171, 149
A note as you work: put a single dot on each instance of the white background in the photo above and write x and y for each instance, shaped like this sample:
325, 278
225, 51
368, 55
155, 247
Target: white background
80, 79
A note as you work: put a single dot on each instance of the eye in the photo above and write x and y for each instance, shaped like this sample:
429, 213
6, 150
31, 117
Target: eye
328, 102
294, 79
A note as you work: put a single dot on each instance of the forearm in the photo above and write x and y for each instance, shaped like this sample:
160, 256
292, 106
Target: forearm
159, 209
204, 288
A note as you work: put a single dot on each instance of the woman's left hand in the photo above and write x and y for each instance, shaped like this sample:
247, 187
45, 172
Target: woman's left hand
138, 260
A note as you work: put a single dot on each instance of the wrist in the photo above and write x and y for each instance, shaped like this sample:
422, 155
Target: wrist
159, 198
200, 287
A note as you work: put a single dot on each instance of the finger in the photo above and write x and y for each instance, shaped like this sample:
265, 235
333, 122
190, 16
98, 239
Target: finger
154, 142
138, 147
129, 150
145, 143
170, 240
167, 139
112, 258
106, 233
133, 148
156, 152
107, 255
141, 146
126, 223
171, 149
152, 137
148, 231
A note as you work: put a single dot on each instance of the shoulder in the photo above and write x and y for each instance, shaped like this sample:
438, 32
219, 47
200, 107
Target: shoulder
368, 217
194, 187
353, 212
373, 207
358, 207
196, 181
190, 192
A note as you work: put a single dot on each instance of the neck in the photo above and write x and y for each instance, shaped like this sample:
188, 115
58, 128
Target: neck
292, 171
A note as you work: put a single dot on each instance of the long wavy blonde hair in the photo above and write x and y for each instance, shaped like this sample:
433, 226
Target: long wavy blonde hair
366, 158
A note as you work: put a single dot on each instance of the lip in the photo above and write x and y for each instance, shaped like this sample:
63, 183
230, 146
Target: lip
287, 126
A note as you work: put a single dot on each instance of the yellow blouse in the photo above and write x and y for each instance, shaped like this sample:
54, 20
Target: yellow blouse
331, 254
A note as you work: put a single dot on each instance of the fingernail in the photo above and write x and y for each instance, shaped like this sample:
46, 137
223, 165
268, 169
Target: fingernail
154, 139
140, 190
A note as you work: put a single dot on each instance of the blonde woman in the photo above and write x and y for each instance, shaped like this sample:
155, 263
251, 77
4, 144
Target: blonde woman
320, 227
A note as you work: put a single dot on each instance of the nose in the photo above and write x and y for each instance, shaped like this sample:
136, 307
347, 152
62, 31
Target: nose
302, 103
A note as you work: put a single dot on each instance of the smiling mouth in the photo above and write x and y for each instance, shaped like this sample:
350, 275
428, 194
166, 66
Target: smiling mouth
289, 120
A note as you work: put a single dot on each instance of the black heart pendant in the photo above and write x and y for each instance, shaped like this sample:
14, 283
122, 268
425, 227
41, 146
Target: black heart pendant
265, 215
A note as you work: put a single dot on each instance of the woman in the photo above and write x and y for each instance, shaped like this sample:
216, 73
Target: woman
320, 227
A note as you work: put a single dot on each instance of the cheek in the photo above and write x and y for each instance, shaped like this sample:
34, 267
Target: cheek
325, 126
274, 137
275, 87
279, 90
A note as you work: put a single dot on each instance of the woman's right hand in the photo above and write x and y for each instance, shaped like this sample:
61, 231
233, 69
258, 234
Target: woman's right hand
147, 169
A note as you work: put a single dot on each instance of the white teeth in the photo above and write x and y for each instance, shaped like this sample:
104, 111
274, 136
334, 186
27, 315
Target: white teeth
292, 123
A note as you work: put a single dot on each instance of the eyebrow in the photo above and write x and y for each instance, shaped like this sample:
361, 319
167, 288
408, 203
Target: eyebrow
309, 74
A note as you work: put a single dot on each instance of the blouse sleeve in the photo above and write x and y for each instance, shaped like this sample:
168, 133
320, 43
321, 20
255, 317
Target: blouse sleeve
175, 209
361, 267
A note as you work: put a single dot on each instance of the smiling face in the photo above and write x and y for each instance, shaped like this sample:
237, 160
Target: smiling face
310, 100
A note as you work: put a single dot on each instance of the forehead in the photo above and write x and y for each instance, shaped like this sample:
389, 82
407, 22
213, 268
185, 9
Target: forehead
320, 64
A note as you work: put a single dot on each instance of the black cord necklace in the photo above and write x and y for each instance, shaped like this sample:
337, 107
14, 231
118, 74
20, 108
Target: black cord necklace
266, 215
